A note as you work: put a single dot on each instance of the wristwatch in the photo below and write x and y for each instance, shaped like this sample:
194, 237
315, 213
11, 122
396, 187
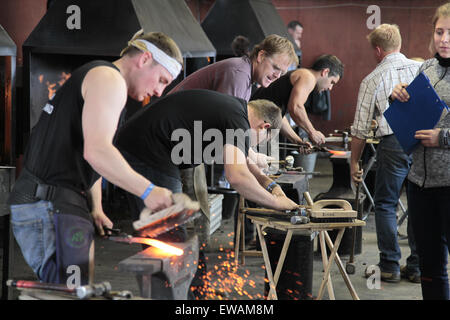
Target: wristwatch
446, 138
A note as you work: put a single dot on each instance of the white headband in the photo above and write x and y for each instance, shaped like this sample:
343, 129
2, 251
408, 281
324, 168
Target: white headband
169, 63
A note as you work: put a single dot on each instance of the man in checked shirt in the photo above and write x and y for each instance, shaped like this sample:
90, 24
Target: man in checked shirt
392, 163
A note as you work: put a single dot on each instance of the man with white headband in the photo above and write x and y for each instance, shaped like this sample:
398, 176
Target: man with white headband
57, 196
169, 63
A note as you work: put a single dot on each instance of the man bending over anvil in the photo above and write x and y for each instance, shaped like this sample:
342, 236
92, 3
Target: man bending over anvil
183, 128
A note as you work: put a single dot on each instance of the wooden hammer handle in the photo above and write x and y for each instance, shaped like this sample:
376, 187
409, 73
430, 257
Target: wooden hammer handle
308, 198
342, 204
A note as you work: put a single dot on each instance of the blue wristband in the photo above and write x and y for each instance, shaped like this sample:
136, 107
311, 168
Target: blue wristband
270, 187
147, 191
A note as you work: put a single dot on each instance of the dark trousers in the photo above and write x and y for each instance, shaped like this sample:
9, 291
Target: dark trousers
429, 211
392, 169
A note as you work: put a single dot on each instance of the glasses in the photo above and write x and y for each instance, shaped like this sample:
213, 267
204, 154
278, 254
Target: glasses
276, 69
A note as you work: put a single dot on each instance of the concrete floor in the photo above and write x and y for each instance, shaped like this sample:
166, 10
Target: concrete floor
247, 282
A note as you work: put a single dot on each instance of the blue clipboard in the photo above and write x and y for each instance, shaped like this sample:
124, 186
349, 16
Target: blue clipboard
422, 111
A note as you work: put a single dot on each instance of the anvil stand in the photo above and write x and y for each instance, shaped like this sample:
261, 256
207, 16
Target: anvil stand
342, 189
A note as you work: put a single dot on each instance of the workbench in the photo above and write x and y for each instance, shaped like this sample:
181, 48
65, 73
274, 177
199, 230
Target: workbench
322, 228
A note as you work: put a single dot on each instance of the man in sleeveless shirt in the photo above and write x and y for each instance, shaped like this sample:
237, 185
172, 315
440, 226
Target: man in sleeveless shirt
57, 196
292, 90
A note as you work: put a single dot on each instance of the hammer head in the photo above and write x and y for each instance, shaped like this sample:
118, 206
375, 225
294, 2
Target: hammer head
153, 224
289, 162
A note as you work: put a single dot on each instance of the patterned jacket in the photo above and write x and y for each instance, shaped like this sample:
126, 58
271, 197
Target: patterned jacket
431, 166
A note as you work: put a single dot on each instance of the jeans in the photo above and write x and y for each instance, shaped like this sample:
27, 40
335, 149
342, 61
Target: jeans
33, 228
392, 168
54, 244
429, 211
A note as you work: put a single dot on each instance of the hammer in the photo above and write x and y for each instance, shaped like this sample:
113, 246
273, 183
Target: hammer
153, 224
288, 162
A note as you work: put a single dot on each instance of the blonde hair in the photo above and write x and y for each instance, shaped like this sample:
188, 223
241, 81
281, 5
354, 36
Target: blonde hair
441, 12
275, 44
160, 40
268, 111
386, 36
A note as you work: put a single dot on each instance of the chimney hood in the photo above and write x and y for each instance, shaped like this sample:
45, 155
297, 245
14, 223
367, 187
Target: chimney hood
103, 28
7, 46
73, 32
254, 19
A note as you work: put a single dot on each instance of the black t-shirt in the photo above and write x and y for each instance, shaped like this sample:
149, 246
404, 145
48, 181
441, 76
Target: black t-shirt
184, 128
278, 92
55, 150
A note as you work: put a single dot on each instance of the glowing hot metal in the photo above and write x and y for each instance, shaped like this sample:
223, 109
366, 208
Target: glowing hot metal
336, 152
166, 248
295, 146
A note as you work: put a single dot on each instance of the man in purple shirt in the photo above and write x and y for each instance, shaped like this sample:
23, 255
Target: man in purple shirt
235, 76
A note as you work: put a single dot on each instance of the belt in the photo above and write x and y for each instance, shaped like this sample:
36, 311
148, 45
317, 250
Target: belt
29, 188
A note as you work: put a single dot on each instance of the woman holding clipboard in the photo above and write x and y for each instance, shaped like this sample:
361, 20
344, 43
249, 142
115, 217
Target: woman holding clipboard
429, 178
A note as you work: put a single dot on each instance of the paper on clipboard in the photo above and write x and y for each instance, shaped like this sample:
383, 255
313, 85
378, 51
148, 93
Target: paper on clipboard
421, 112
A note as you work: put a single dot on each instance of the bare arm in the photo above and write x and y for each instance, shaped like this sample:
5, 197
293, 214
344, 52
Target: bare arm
105, 93
246, 184
259, 159
289, 133
302, 87
292, 136
264, 180
100, 219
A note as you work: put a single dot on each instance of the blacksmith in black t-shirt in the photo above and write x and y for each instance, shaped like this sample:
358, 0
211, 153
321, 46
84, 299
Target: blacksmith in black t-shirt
186, 128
